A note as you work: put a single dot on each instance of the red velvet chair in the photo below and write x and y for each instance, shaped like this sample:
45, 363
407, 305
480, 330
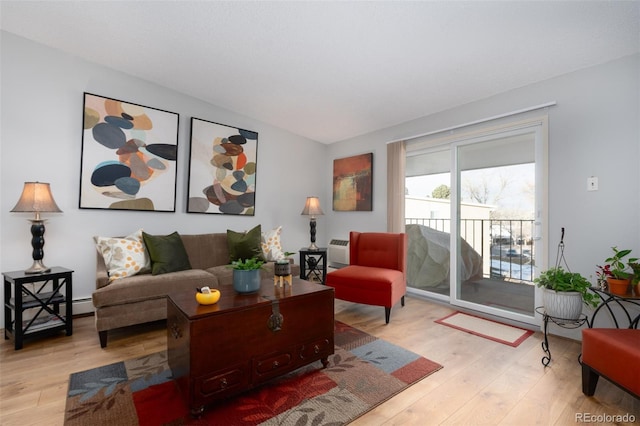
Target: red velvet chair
377, 271
613, 353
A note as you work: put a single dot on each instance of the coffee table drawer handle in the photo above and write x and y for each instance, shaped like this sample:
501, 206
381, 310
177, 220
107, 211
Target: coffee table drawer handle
316, 349
275, 365
274, 323
175, 330
223, 384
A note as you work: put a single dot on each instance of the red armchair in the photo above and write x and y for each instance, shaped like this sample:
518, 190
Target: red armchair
613, 354
377, 271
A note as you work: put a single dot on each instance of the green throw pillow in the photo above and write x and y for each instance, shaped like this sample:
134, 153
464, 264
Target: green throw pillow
244, 245
167, 253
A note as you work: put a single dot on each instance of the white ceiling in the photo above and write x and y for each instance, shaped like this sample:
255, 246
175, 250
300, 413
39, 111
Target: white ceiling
333, 70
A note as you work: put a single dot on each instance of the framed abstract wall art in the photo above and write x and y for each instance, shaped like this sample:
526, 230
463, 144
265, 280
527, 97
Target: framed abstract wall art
129, 155
222, 169
353, 183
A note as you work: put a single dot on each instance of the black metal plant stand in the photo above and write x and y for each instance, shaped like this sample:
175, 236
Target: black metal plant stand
561, 322
621, 304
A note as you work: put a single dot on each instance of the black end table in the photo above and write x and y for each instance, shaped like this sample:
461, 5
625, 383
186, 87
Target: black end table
313, 264
43, 294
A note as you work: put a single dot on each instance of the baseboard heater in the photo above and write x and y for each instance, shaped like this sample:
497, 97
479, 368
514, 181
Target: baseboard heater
338, 253
82, 306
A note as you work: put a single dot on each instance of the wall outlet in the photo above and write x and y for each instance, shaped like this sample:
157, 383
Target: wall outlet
592, 183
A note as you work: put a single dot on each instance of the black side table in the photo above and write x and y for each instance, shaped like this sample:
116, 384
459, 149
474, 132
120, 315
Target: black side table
313, 264
43, 293
564, 323
616, 304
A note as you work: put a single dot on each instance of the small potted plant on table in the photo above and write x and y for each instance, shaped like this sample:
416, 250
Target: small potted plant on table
565, 292
246, 275
616, 271
282, 266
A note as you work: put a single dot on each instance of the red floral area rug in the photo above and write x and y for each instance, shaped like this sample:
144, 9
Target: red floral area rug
364, 372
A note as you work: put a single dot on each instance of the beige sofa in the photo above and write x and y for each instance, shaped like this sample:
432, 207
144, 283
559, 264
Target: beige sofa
142, 298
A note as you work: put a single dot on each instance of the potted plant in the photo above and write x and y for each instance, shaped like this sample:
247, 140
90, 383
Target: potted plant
565, 292
246, 275
282, 268
617, 271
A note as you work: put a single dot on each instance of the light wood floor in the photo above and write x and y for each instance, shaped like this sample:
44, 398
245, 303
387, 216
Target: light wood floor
482, 382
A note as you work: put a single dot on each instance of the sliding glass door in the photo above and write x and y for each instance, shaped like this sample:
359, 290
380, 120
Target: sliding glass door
474, 217
428, 221
495, 254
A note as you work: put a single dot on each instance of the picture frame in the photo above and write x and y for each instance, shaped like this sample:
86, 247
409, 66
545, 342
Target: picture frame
129, 156
222, 169
353, 183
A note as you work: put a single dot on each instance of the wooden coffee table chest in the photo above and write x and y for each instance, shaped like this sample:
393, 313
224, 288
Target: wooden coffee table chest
242, 341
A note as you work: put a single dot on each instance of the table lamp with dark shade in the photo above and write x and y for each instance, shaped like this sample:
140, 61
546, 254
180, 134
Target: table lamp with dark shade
312, 208
36, 198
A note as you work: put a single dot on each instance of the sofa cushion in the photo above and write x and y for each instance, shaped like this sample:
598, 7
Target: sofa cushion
224, 274
146, 287
123, 256
367, 284
244, 245
206, 250
167, 253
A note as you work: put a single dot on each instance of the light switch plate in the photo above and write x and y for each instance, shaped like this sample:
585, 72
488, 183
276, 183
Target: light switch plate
592, 183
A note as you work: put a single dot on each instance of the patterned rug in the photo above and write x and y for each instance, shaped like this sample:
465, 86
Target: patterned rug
364, 372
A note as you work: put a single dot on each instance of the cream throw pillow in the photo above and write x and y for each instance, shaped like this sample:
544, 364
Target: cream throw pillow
124, 257
271, 248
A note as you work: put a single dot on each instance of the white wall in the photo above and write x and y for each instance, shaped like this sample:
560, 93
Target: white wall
594, 130
42, 97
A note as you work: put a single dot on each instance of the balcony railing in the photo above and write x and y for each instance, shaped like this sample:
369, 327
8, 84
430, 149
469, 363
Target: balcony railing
505, 245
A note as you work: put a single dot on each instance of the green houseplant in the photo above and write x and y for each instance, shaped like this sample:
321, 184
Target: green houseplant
250, 264
617, 271
246, 275
565, 292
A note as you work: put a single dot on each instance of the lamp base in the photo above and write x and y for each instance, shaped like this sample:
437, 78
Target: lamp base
313, 246
37, 268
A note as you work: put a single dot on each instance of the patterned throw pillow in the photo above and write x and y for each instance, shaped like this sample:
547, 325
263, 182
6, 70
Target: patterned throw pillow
271, 247
124, 257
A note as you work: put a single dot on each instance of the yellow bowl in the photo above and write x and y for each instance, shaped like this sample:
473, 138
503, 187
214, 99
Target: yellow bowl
208, 299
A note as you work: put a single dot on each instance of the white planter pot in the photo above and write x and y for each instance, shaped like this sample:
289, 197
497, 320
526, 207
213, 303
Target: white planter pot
563, 304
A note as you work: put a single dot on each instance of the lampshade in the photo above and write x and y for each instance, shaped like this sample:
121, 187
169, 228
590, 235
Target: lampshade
36, 197
312, 207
